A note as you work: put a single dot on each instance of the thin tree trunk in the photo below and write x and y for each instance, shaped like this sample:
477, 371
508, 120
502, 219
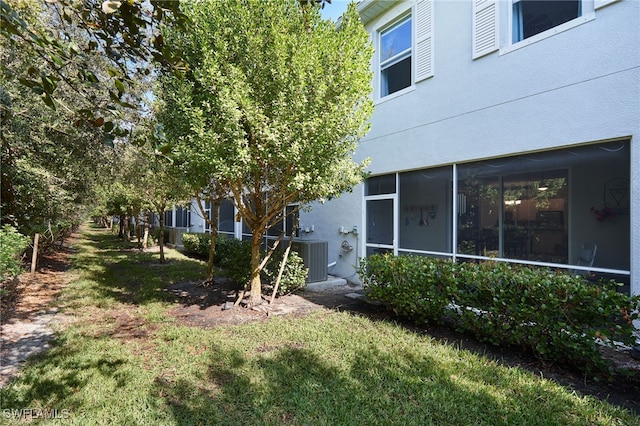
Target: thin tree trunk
136, 219
255, 284
213, 238
145, 238
161, 236
34, 256
213, 223
126, 230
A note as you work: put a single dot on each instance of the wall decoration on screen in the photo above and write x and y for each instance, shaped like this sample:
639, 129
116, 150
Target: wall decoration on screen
616, 195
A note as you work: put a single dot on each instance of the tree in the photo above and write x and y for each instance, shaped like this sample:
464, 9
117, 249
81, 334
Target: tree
157, 179
214, 193
124, 33
272, 106
49, 164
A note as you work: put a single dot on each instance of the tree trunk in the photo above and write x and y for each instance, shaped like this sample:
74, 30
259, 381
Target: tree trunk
120, 227
126, 233
136, 225
255, 284
161, 236
145, 238
214, 237
129, 223
213, 222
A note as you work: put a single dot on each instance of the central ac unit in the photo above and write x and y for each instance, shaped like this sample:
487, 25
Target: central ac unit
315, 255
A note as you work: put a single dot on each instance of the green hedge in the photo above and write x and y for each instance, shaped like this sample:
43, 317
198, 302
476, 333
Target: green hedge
197, 244
558, 316
234, 256
12, 245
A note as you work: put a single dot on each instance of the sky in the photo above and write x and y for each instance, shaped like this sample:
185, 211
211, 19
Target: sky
334, 10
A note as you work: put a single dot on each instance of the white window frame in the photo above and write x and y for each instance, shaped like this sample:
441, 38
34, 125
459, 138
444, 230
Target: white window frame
421, 52
588, 14
207, 213
396, 58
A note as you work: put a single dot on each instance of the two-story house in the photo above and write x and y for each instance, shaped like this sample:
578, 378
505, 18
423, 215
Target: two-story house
504, 129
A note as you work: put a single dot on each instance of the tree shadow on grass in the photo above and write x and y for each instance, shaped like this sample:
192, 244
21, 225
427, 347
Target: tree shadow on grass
295, 385
127, 275
58, 377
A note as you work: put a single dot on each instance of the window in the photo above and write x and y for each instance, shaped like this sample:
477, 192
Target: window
531, 17
537, 209
286, 224
405, 49
524, 213
425, 210
395, 57
168, 218
378, 185
226, 217
183, 217
542, 207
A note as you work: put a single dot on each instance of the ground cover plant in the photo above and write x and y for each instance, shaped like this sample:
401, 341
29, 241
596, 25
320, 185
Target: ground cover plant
123, 359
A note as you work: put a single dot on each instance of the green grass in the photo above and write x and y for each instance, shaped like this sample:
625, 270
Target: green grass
124, 360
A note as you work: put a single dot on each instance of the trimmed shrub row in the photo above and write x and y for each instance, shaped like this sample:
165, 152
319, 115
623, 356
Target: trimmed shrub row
234, 256
558, 316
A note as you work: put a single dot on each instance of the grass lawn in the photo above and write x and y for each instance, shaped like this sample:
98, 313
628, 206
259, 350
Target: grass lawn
123, 360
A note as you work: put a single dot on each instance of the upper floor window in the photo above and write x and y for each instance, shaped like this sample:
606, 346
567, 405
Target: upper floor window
395, 57
531, 17
531, 21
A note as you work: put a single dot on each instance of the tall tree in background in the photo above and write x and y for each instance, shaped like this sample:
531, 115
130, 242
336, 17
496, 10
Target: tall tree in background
75, 74
125, 34
49, 161
272, 107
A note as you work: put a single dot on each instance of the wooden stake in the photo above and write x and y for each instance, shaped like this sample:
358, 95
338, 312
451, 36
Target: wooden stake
285, 256
34, 256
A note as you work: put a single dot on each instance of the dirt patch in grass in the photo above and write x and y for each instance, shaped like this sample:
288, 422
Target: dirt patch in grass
30, 295
213, 305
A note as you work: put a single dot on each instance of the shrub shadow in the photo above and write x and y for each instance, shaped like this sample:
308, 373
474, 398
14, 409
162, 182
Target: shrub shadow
294, 385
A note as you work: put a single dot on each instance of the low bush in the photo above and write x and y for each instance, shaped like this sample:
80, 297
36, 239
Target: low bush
196, 244
558, 316
294, 275
234, 256
12, 245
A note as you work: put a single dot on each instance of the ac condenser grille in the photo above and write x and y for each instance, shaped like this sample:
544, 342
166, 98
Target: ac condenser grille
315, 255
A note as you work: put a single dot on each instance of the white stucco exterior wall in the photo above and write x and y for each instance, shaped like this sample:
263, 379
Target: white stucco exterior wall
576, 87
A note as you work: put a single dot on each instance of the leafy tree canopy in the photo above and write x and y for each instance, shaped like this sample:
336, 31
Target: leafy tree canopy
272, 106
124, 33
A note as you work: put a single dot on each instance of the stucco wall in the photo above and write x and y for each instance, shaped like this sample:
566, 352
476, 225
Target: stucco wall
579, 86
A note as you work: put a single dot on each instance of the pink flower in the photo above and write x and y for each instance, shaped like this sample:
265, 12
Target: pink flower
601, 215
